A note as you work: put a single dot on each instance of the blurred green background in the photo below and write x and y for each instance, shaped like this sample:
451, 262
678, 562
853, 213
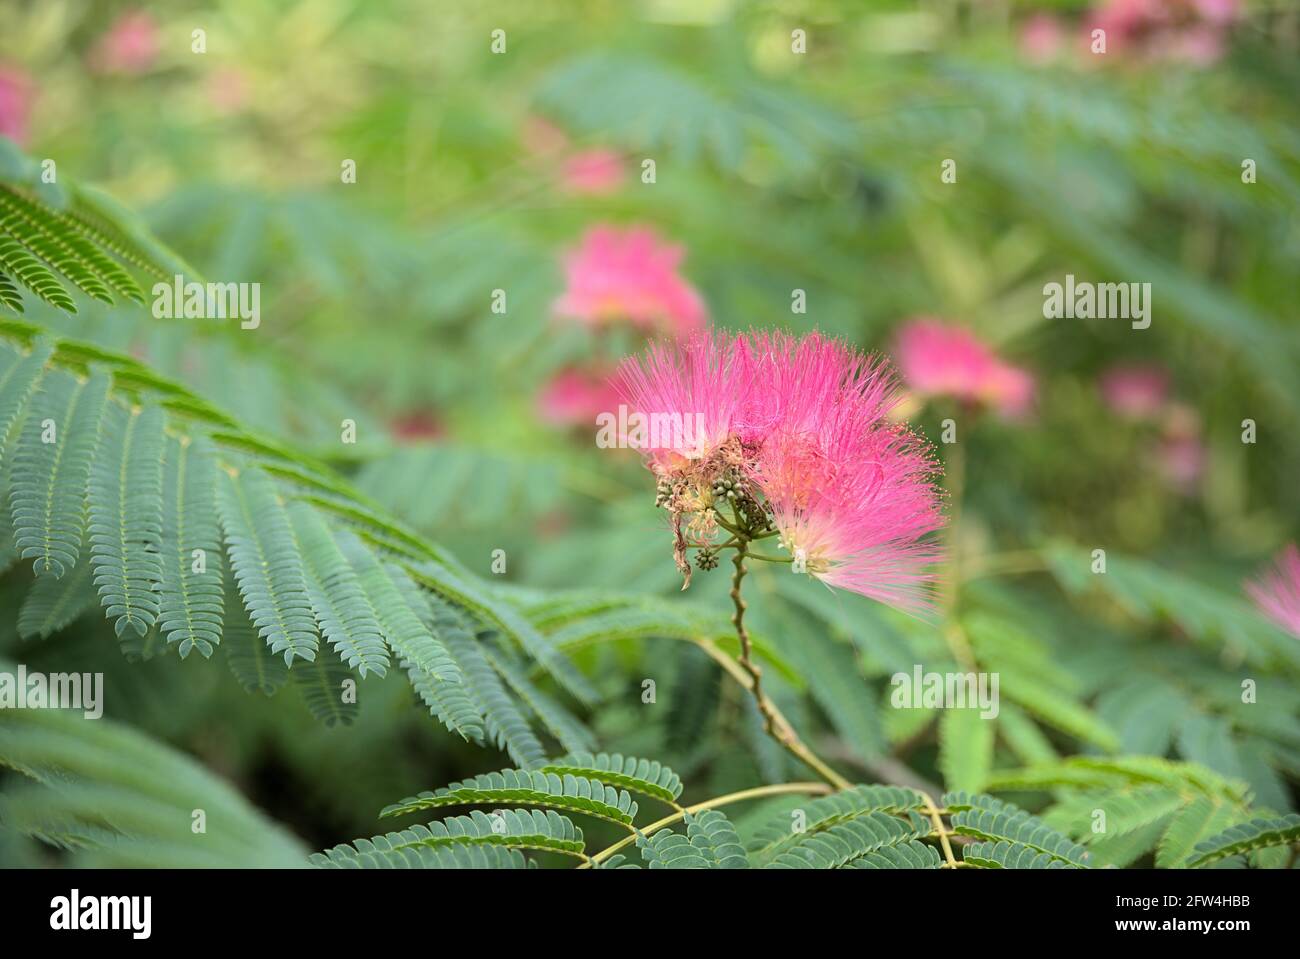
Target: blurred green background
774, 171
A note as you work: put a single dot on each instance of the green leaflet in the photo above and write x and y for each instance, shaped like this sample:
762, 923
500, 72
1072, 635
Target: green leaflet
573, 793
1198, 821
993, 820
125, 507
965, 748
19, 375
52, 603
16, 261
328, 688
911, 854
50, 470
504, 722
643, 776
782, 832
251, 661
1246, 837
10, 295
403, 850
710, 843
346, 617
839, 844
267, 564
1012, 855
559, 722
191, 589
406, 634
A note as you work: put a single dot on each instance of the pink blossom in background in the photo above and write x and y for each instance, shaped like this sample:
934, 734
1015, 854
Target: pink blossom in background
576, 397
129, 47
1277, 590
938, 359
596, 172
15, 103
1182, 462
805, 423
1137, 391
1186, 31
629, 276
1042, 38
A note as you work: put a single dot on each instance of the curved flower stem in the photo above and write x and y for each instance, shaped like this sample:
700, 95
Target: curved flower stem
776, 725
756, 793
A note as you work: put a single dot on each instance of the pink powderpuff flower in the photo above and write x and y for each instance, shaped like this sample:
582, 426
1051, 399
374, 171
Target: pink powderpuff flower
15, 104
596, 172
802, 428
937, 359
130, 46
629, 276
699, 389
1277, 591
576, 397
1137, 391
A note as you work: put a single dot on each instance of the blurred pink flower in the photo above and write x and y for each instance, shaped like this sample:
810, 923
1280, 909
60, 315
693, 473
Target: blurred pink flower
575, 397
1277, 590
937, 359
129, 47
596, 172
1137, 391
1182, 461
1042, 37
1187, 31
15, 103
803, 423
629, 276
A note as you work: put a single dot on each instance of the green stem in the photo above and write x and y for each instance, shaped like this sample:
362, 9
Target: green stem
757, 792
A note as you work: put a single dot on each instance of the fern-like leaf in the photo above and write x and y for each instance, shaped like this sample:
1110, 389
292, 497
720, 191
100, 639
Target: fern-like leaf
51, 468
1247, 837
710, 843
191, 590
845, 841
267, 565
643, 776
51, 604
33, 274
1004, 854
572, 793
125, 505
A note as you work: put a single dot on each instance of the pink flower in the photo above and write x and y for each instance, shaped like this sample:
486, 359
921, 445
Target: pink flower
596, 172
1041, 38
799, 430
941, 360
629, 276
1188, 31
1277, 591
129, 47
15, 104
1137, 391
576, 397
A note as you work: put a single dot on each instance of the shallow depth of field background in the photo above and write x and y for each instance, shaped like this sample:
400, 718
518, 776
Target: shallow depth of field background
774, 172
